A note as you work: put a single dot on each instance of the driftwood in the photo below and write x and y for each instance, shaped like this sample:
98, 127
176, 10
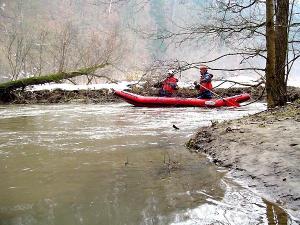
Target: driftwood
7, 88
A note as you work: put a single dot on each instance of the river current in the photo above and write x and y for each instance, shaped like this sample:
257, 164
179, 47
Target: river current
118, 164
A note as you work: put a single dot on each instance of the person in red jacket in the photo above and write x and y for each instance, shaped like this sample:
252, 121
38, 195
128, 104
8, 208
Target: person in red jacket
169, 85
205, 85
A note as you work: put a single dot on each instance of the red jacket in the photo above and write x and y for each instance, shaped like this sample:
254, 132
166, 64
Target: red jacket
205, 82
170, 84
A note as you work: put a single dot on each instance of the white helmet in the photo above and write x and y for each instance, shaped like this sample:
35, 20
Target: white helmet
171, 72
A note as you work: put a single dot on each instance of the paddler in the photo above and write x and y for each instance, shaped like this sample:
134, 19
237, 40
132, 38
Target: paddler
169, 85
205, 86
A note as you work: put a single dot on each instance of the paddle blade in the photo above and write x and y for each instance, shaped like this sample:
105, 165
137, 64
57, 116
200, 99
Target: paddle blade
232, 103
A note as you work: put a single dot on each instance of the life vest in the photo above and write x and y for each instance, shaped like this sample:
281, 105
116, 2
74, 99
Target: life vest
205, 82
170, 84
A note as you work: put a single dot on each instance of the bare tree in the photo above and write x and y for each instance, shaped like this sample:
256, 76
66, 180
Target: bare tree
17, 51
41, 46
281, 52
61, 45
271, 54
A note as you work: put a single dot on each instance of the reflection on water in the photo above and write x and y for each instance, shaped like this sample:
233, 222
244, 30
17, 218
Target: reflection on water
238, 206
110, 164
276, 215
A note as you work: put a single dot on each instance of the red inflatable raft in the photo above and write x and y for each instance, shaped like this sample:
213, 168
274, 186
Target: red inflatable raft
149, 101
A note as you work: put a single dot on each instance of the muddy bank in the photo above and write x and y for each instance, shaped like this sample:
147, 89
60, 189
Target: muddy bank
62, 96
262, 150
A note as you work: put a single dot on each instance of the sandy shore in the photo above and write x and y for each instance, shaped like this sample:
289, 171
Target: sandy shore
262, 151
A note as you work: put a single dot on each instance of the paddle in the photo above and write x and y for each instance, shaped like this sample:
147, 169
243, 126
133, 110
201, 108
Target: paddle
232, 103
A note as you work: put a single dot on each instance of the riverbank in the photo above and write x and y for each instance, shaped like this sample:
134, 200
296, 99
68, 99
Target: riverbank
261, 150
106, 95
63, 96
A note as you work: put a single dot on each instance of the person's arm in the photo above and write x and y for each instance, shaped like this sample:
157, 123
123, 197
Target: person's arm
206, 78
173, 83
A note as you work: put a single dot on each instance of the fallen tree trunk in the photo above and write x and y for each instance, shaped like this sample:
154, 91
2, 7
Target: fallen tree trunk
7, 87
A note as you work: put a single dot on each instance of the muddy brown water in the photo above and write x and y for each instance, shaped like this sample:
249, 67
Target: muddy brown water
117, 164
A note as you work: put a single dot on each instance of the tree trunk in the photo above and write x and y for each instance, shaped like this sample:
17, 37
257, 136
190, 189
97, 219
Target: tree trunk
271, 85
8, 87
281, 46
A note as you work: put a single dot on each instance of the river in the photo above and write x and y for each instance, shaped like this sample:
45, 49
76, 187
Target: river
117, 164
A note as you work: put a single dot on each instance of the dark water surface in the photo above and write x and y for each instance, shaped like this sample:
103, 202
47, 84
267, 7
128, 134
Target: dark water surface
117, 164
